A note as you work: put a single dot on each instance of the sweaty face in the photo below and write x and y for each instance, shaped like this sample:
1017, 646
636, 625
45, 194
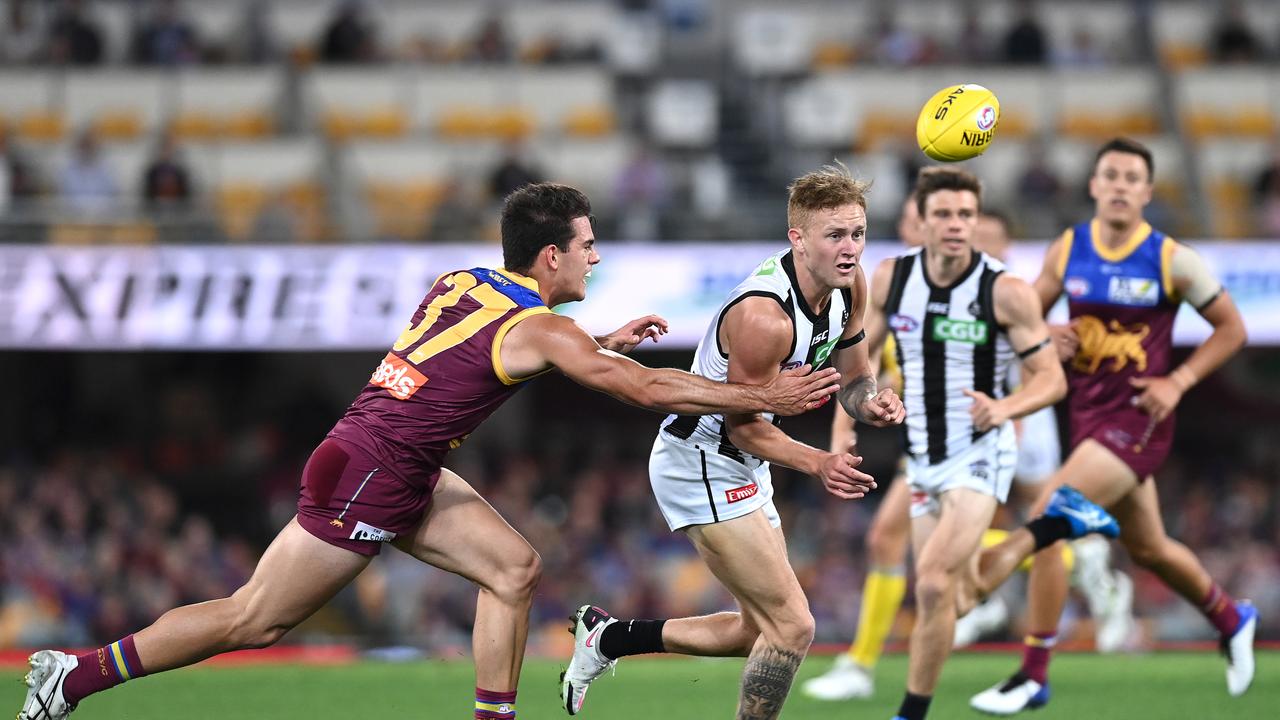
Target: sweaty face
1120, 188
575, 263
830, 244
949, 219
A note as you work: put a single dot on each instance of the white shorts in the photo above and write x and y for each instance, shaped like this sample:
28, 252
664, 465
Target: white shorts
1039, 451
696, 485
986, 466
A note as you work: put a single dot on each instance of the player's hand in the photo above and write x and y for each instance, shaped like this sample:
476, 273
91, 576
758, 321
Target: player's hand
840, 476
625, 338
986, 411
794, 391
1157, 396
884, 408
1065, 341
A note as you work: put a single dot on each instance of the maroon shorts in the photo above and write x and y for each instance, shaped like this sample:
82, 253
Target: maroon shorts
1130, 435
350, 499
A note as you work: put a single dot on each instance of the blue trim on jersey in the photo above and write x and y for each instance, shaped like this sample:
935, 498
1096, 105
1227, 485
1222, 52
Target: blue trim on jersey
1134, 281
523, 296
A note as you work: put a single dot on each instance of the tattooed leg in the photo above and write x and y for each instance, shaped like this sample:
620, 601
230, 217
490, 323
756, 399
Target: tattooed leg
766, 681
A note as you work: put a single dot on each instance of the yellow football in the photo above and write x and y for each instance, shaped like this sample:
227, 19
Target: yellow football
958, 123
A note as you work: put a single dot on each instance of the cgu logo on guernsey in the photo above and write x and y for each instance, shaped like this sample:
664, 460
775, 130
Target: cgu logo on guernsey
965, 331
733, 495
398, 377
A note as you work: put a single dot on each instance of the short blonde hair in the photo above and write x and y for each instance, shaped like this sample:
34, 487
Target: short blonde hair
832, 186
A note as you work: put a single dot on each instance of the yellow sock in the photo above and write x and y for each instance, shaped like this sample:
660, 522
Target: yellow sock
881, 597
994, 537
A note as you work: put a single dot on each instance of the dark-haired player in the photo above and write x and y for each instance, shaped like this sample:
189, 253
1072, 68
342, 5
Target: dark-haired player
1124, 282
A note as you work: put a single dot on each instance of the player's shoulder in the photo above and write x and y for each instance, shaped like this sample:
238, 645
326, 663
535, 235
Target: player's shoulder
761, 312
1014, 296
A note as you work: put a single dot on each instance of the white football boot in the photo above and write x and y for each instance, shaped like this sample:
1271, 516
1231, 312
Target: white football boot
846, 680
49, 670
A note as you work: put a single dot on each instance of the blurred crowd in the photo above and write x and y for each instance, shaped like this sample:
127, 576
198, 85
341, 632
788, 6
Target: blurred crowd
171, 500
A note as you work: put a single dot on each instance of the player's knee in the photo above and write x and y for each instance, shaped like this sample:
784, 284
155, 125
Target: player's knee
933, 589
886, 546
250, 632
796, 629
1148, 555
519, 576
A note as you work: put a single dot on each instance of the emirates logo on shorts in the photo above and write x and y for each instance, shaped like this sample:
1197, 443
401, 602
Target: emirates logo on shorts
733, 495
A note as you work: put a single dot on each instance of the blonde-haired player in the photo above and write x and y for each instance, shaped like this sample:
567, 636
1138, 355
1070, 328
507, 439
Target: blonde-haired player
710, 473
853, 674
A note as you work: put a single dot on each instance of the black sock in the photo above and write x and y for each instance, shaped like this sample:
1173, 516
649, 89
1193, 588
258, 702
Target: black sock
632, 637
1049, 530
914, 707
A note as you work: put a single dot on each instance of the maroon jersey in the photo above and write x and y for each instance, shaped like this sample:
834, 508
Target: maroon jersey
1122, 304
443, 376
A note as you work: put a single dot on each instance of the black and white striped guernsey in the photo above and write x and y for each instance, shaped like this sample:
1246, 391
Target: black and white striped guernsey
948, 341
814, 336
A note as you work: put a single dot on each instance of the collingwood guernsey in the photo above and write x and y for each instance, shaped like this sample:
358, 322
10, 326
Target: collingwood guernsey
814, 337
948, 341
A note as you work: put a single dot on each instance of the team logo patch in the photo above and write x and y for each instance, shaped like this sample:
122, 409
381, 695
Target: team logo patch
974, 332
363, 531
903, 323
1076, 287
986, 118
733, 495
398, 377
975, 308
1099, 342
980, 470
792, 365
1133, 291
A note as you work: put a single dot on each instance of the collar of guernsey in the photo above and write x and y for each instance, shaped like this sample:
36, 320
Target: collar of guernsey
1145, 254
521, 289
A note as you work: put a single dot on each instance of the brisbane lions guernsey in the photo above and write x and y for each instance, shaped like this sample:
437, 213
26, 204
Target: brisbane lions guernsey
443, 376
1122, 304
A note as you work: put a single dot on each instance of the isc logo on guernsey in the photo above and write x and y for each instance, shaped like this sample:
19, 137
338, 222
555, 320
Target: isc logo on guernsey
398, 377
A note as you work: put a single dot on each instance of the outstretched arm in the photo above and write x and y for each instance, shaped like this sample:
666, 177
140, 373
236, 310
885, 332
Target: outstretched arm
546, 340
1017, 307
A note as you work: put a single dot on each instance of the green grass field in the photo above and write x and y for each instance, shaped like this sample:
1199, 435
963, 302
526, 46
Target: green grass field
1183, 686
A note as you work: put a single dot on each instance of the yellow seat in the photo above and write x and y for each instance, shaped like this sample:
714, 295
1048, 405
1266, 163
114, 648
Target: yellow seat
386, 122
879, 128
41, 125
832, 54
589, 121
511, 123
1179, 55
1231, 211
118, 125
1093, 125
238, 207
463, 122
403, 209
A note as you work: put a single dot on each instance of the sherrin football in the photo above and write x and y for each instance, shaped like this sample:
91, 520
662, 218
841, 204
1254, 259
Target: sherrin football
958, 123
